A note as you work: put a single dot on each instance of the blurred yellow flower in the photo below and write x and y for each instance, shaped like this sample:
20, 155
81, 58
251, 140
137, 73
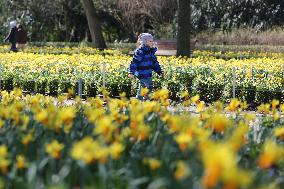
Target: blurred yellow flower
282, 108
218, 123
1, 123
116, 149
276, 116
27, 139
279, 133
200, 106
85, 150
234, 105
66, 115
184, 94
195, 99
271, 154
264, 108
274, 104
161, 94
152, 163
238, 138
54, 149
21, 162
249, 117
183, 140
3, 151
105, 127
144, 91
220, 162
4, 162
42, 117
182, 170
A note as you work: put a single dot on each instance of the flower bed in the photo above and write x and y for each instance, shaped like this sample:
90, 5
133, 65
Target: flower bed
257, 79
130, 144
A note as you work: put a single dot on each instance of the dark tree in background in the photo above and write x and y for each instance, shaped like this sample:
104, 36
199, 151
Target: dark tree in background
183, 35
94, 24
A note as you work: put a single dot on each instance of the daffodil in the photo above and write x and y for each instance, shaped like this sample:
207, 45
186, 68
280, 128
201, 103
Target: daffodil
234, 104
220, 161
195, 99
183, 139
152, 163
218, 123
27, 139
85, 150
271, 154
43, 117
144, 91
279, 133
4, 162
21, 162
115, 150
274, 104
182, 170
1, 123
105, 127
264, 108
54, 149
3, 151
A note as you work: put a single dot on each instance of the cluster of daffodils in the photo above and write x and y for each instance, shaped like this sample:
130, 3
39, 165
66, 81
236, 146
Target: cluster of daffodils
205, 74
191, 144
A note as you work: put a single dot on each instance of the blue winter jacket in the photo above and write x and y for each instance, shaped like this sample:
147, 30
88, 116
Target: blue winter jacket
144, 62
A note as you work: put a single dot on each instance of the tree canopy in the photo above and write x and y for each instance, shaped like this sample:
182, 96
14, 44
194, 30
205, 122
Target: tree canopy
65, 20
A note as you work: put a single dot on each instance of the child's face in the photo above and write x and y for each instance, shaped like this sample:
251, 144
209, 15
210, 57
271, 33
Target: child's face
150, 43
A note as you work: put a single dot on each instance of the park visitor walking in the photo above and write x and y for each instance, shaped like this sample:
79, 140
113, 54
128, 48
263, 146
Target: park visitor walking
22, 37
144, 62
12, 36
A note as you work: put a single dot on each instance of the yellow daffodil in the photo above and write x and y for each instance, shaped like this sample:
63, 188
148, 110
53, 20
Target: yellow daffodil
27, 139
4, 162
271, 154
274, 104
234, 104
152, 163
218, 123
21, 162
144, 91
279, 133
54, 149
85, 150
116, 149
182, 170
264, 108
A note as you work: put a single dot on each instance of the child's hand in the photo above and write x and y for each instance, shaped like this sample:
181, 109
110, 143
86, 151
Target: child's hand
130, 75
162, 74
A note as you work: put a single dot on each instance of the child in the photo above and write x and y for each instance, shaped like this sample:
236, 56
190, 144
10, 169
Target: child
12, 37
144, 62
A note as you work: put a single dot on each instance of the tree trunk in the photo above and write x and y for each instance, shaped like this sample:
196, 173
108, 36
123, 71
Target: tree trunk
94, 24
183, 35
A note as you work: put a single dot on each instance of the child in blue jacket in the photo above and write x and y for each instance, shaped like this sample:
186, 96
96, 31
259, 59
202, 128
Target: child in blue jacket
144, 62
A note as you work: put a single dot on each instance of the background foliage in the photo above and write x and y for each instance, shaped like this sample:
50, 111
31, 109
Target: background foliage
64, 20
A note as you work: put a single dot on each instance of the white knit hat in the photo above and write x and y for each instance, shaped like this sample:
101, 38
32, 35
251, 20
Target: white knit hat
144, 37
13, 24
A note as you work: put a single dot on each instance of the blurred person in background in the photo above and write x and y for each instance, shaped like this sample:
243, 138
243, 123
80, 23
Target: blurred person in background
21, 37
12, 36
